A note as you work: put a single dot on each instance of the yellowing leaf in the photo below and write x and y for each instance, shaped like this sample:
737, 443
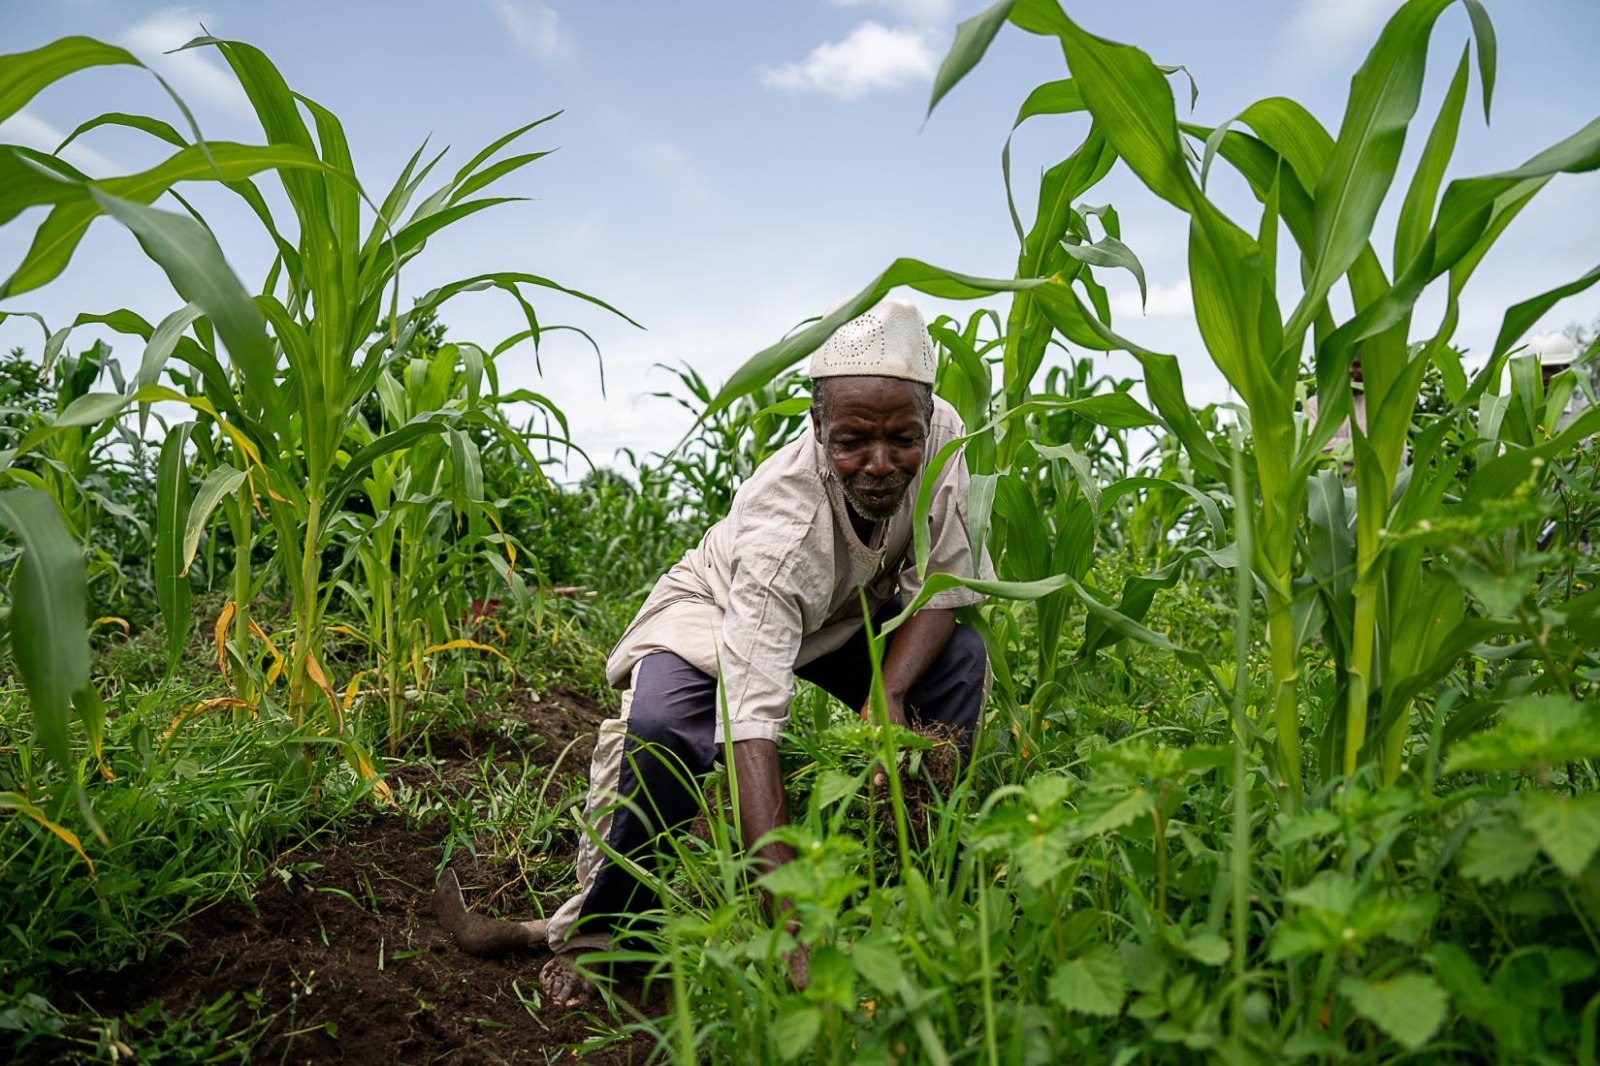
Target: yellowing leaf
224, 620
315, 672
454, 645
361, 763
16, 801
353, 689
202, 707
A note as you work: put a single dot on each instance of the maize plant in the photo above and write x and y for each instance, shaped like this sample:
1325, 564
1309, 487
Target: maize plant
413, 552
301, 354
1326, 190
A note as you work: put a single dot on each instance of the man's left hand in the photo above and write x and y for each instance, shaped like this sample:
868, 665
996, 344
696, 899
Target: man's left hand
897, 716
896, 708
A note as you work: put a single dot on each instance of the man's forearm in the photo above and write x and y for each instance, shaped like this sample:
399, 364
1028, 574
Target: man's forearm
913, 648
762, 805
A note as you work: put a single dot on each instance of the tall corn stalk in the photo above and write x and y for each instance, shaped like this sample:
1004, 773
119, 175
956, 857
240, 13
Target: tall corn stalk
300, 356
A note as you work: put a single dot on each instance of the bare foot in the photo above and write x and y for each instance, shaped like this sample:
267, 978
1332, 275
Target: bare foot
479, 934
564, 986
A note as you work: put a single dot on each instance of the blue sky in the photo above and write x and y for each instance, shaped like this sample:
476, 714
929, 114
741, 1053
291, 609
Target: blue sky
727, 169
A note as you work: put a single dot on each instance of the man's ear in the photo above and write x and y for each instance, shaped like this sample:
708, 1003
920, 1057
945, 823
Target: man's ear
816, 420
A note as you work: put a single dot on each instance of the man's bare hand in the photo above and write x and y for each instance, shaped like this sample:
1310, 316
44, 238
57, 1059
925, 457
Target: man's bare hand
897, 716
895, 707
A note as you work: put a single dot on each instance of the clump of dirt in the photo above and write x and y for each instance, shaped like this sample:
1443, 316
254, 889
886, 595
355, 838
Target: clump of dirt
926, 780
338, 957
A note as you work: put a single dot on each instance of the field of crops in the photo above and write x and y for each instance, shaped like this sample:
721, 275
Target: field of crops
1293, 745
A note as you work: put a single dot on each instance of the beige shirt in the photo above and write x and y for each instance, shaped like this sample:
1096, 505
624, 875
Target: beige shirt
773, 586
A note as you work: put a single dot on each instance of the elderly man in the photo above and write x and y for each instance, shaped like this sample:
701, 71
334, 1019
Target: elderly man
771, 594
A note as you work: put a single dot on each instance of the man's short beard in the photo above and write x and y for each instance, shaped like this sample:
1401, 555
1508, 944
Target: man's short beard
896, 483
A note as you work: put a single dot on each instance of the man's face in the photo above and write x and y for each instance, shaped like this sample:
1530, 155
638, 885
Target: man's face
875, 434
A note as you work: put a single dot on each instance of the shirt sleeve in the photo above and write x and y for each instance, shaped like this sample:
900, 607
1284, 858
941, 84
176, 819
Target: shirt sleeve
761, 632
950, 545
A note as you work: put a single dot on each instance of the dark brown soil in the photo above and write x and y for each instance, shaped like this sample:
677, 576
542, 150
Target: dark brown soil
341, 960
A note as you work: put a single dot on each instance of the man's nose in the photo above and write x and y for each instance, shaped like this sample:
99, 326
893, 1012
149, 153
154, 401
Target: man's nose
879, 463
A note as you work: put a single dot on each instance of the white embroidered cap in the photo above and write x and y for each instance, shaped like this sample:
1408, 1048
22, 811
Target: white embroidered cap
889, 341
1553, 349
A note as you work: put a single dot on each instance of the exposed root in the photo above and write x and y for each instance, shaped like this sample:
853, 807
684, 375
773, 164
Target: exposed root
925, 781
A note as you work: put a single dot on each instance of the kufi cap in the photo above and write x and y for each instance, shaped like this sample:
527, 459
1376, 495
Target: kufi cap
889, 341
1553, 349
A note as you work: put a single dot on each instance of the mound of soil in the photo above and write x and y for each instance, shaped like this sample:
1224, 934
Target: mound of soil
340, 960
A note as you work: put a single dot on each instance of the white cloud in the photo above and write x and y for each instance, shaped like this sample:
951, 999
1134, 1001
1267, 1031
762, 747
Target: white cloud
34, 132
1321, 34
198, 78
872, 57
535, 28
922, 12
1165, 301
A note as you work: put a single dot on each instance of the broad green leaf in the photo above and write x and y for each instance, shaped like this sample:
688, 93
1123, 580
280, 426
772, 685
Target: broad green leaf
1498, 853
1408, 1008
1568, 827
1483, 33
1521, 316
24, 74
172, 513
1207, 948
1383, 98
1416, 213
1051, 98
163, 339
1132, 102
189, 255
876, 960
220, 483
49, 622
404, 437
1091, 984
1109, 252
1532, 732
768, 363
973, 38
33, 179
1328, 892
153, 126
461, 185
62, 230
796, 1029
835, 785
1105, 813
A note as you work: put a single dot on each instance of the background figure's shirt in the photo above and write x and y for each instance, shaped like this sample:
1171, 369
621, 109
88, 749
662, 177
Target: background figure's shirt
773, 586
